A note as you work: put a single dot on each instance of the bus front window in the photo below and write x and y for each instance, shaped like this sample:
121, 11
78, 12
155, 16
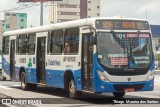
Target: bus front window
124, 50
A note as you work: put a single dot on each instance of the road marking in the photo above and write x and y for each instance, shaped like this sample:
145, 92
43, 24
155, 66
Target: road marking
4, 87
157, 83
17, 85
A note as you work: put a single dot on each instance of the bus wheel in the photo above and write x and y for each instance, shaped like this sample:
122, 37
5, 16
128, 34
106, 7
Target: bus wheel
118, 94
4, 78
24, 84
73, 93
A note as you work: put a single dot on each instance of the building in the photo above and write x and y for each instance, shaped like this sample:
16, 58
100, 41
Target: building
67, 10
156, 38
2, 27
12, 21
156, 45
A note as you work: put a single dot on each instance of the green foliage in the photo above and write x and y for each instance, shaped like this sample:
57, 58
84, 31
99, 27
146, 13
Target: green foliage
157, 57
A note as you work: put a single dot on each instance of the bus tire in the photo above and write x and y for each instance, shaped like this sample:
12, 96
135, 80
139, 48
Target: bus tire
4, 78
25, 86
118, 94
73, 93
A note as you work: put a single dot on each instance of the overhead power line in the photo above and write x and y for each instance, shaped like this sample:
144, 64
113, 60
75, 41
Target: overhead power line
24, 7
17, 8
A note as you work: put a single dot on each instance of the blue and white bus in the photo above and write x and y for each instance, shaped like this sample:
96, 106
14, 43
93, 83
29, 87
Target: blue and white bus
97, 55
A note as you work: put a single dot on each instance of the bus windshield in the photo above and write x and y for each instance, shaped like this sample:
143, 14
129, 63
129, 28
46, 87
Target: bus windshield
124, 50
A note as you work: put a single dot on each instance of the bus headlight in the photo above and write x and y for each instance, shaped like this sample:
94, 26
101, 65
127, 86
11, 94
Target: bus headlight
102, 76
151, 76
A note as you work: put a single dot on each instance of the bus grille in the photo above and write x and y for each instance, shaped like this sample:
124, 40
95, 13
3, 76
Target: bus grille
120, 87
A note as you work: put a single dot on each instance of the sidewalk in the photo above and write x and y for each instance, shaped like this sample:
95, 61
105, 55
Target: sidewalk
157, 72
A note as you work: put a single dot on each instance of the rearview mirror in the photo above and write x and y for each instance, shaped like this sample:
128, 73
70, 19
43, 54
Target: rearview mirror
93, 32
94, 40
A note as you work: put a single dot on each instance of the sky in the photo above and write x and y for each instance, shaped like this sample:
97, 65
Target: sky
145, 9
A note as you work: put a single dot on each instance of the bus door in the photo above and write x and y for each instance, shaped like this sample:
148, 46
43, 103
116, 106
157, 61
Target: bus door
12, 60
87, 62
40, 59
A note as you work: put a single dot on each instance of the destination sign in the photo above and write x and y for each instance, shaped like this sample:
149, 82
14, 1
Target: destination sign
122, 25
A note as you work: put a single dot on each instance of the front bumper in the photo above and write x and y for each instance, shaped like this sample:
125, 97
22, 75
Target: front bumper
121, 86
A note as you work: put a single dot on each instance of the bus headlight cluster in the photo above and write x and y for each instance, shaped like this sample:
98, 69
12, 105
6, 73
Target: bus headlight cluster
151, 76
102, 76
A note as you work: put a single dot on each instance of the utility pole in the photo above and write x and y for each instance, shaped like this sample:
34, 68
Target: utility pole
41, 14
146, 14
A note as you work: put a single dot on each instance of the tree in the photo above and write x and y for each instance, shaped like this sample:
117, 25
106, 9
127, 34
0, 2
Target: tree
157, 57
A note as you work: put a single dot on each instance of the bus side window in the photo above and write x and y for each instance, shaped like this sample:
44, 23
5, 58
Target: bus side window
22, 44
56, 42
48, 42
66, 48
6, 45
71, 39
17, 44
31, 44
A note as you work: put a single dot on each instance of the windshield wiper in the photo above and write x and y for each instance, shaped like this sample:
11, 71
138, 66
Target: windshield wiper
126, 44
138, 32
113, 33
131, 58
121, 41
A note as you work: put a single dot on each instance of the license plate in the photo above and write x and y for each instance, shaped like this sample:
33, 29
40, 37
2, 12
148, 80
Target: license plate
129, 89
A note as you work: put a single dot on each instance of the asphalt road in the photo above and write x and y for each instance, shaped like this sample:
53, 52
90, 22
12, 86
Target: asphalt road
58, 97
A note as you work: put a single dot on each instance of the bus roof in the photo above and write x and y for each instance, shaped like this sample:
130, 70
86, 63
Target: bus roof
69, 24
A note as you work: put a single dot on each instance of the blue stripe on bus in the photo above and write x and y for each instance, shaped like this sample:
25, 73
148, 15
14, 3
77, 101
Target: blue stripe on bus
153, 63
5, 66
54, 78
109, 87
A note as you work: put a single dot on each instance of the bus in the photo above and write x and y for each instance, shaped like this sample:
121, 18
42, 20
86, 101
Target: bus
95, 55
